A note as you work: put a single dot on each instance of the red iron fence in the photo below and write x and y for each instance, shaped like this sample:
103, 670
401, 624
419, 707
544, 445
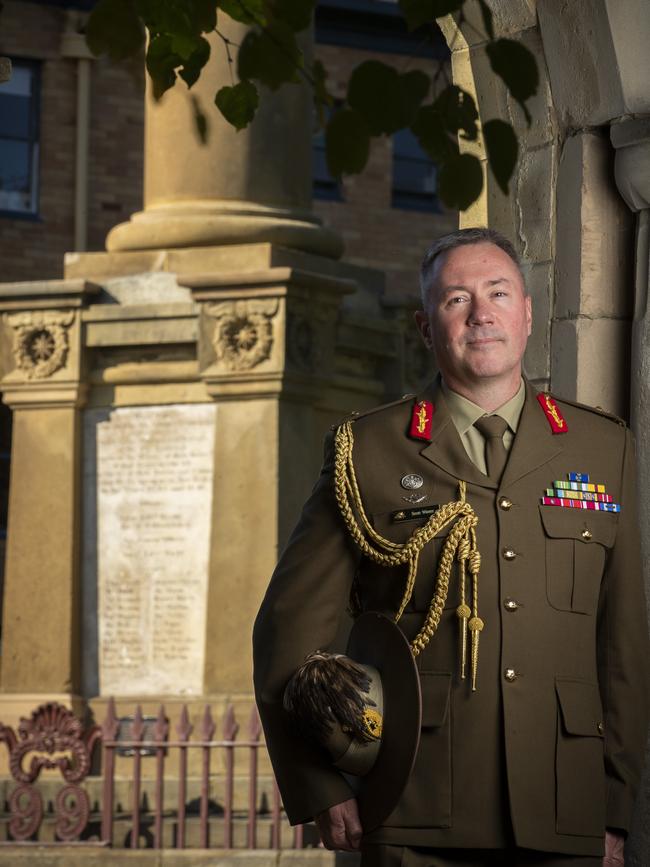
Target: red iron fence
158, 765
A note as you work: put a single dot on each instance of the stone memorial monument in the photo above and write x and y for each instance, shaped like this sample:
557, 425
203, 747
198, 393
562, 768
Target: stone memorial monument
149, 470
169, 398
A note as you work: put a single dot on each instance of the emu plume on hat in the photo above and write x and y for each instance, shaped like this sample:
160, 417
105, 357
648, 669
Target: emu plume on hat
364, 708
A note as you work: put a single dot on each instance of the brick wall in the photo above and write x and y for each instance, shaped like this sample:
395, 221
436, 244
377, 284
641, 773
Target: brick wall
33, 248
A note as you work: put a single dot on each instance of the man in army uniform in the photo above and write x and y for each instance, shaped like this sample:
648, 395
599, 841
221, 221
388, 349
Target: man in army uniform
533, 664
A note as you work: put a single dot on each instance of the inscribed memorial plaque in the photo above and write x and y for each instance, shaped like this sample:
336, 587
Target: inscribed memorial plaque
154, 509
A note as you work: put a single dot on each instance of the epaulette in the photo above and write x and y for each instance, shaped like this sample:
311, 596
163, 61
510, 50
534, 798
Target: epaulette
598, 410
354, 416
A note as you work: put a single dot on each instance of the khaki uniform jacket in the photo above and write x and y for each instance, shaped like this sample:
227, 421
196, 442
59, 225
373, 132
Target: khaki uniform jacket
553, 755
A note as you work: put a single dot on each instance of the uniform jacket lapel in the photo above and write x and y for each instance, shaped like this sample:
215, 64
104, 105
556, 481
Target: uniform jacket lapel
446, 449
534, 444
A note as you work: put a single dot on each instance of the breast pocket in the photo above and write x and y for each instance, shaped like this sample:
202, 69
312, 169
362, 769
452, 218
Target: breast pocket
577, 542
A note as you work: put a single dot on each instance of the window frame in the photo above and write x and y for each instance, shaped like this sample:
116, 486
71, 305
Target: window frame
332, 188
413, 200
33, 215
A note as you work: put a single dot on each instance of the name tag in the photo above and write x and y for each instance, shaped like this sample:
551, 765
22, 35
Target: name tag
413, 514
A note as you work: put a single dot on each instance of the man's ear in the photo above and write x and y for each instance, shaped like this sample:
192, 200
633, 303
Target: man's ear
424, 327
529, 314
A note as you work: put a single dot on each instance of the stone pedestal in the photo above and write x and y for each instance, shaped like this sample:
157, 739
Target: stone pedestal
42, 381
163, 446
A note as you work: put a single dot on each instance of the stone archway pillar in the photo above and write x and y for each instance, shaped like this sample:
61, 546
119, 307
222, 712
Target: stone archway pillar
631, 139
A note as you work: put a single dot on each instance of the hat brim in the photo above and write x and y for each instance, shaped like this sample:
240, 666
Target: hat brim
376, 640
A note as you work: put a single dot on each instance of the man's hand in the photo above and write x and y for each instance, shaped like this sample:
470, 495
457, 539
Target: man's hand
340, 828
614, 845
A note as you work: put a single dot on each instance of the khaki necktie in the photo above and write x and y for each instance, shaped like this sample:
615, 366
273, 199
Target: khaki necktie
493, 427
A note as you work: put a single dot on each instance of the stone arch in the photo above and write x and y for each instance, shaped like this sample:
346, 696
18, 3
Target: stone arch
587, 260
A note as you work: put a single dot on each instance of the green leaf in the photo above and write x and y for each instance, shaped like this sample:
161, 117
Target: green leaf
430, 130
200, 120
169, 17
204, 15
272, 56
296, 13
486, 12
195, 62
386, 100
460, 181
244, 11
347, 143
114, 28
413, 88
502, 148
161, 63
458, 110
184, 45
517, 66
238, 104
418, 12
372, 92
322, 97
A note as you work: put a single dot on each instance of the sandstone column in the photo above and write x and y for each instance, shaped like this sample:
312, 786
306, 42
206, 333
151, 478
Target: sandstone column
238, 187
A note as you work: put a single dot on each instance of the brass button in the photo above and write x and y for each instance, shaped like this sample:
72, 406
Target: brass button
586, 534
601, 728
505, 504
508, 554
510, 675
510, 604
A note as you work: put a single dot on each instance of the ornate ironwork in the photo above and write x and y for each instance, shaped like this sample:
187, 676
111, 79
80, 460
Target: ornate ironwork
72, 812
55, 739
26, 810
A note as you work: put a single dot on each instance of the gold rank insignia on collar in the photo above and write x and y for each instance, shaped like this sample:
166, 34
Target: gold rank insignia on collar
552, 412
421, 420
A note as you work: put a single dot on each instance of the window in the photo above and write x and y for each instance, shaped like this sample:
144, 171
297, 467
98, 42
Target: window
19, 113
415, 175
376, 26
324, 185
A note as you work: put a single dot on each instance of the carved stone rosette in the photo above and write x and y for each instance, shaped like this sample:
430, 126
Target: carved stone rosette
55, 739
243, 337
40, 341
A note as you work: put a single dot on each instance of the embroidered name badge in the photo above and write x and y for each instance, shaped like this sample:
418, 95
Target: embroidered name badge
579, 493
421, 420
551, 411
414, 514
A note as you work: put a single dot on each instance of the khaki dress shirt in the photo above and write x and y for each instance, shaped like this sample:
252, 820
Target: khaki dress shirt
464, 413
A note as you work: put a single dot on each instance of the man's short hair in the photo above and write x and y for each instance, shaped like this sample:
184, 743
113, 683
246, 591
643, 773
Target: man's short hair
461, 238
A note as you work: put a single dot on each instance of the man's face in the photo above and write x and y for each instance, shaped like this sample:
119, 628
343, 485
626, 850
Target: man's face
477, 319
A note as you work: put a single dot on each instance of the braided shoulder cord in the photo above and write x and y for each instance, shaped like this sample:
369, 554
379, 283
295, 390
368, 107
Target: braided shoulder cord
460, 544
